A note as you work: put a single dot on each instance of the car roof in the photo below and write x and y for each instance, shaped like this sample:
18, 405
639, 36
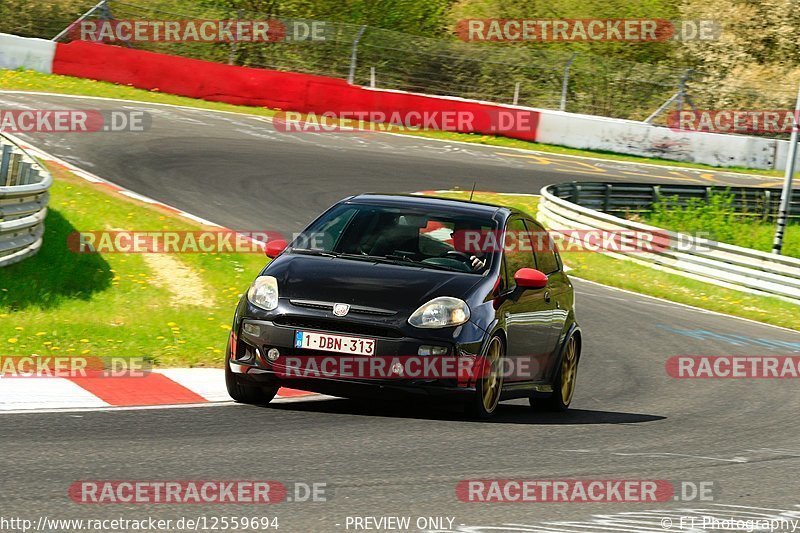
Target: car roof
430, 203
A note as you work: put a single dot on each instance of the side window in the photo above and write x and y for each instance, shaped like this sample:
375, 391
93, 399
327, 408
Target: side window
544, 249
518, 249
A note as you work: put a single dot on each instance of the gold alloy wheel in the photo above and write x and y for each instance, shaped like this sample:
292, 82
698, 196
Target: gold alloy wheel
493, 382
569, 371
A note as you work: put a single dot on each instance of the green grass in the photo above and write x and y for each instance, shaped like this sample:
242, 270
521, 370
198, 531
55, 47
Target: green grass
25, 80
645, 280
28, 80
717, 219
64, 303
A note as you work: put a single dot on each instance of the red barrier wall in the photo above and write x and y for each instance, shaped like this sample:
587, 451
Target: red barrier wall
261, 87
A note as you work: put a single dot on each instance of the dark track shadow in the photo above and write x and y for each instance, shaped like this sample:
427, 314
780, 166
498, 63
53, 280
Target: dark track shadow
506, 413
55, 274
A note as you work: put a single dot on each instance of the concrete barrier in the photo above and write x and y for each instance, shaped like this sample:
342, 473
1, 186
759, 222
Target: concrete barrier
589, 132
21, 52
307, 93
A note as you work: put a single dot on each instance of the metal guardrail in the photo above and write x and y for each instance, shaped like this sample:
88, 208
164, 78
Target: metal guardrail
24, 186
622, 198
581, 206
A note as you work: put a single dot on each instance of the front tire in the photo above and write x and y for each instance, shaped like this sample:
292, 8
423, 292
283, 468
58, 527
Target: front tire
243, 392
564, 385
483, 404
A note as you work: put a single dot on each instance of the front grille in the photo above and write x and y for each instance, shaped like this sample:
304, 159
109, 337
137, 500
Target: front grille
355, 309
337, 326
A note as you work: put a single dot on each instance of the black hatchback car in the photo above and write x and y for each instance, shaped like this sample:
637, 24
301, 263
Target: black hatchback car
410, 295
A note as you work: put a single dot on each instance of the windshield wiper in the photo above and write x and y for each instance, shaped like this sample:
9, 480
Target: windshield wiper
408, 260
384, 259
310, 251
339, 255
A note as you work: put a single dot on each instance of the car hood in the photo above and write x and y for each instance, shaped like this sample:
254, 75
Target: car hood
393, 287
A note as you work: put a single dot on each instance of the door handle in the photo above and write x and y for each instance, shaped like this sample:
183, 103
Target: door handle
546, 296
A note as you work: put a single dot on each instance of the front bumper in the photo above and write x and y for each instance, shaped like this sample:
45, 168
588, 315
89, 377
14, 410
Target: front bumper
249, 362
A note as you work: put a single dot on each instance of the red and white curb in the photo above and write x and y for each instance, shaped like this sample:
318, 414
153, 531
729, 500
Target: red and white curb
167, 387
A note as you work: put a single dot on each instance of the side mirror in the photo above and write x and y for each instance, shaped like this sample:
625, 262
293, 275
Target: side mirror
530, 278
274, 248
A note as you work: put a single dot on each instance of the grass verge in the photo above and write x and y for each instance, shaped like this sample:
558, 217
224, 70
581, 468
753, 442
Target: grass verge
174, 310
26, 80
638, 278
717, 218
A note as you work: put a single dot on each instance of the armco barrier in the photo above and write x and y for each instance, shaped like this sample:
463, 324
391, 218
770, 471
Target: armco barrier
713, 262
24, 194
625, 197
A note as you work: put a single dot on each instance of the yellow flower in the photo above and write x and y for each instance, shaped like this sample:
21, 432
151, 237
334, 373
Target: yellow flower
18, 328
84, 340
171, 324
12, 340
40, 333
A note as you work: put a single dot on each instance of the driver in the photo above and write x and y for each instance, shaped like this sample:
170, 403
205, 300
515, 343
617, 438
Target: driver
459, 236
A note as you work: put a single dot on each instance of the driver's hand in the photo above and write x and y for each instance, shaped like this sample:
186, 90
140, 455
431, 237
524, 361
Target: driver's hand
477, 263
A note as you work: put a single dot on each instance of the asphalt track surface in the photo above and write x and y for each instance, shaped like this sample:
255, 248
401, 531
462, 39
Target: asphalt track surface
629, 419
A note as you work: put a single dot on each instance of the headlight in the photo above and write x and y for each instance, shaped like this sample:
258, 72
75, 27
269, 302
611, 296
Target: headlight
263, 293
439, 313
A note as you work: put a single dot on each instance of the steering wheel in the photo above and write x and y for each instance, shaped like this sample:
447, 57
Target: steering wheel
459, 255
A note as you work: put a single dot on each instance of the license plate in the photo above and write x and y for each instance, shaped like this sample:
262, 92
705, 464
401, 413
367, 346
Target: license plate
334, 343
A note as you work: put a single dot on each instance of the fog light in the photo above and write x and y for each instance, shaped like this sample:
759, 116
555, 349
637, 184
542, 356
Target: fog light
252, 329
433, 350
273, 354
397, 368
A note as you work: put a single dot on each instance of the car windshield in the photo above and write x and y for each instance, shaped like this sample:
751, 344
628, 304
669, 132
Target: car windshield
399, 236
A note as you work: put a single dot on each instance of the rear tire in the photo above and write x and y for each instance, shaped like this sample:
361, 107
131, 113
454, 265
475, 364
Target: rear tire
564, 385
246, 393
483, 404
